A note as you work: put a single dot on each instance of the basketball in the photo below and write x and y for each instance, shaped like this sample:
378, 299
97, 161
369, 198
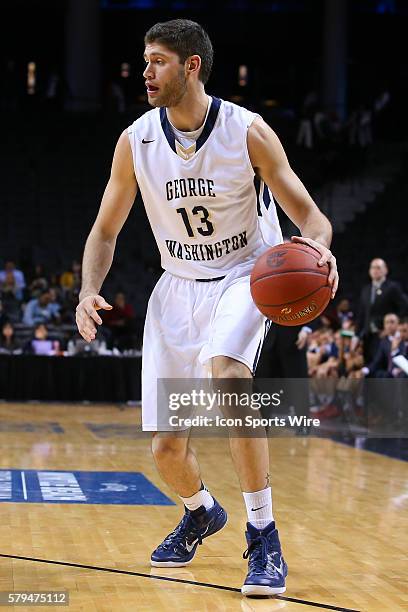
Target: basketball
288, 286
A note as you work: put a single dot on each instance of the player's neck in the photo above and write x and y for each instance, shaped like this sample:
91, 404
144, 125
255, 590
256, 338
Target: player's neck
190, 113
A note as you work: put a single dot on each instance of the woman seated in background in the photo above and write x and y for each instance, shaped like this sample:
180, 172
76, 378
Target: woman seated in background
8, 343
41, 344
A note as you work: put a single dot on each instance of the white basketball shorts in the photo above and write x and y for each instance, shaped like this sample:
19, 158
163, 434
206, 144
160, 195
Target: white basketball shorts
188, 322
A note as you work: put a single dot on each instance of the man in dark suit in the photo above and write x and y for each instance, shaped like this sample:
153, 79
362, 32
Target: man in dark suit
380, 297
400, 347
381, 365
380, 396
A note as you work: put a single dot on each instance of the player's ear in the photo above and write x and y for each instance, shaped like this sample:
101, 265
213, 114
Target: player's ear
193, 64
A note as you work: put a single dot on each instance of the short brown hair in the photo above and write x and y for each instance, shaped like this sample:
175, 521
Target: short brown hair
185, 38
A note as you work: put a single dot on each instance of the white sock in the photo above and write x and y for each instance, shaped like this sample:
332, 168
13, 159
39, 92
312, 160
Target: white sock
259, 507
202, 498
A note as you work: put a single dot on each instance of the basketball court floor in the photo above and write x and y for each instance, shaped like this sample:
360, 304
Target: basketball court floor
82, 506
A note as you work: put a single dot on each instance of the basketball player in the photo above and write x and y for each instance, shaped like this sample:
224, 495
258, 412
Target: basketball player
194, 158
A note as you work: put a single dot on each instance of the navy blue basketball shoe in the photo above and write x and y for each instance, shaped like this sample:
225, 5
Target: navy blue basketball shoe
267, 568
179, 547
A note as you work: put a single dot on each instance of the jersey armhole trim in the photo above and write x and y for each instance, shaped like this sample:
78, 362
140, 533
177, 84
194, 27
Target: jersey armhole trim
251, 117
131, 135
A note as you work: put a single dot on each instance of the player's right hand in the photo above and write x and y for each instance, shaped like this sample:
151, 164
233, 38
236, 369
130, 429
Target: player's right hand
86, 315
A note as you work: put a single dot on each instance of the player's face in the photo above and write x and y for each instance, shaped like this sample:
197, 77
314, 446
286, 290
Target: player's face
165, 77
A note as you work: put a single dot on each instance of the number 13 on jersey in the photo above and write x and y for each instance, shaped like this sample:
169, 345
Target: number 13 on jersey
205, 229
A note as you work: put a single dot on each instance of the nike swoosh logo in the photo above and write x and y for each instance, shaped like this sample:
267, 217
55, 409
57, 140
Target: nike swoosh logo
260, 508
191, 546
147, 141
280, 568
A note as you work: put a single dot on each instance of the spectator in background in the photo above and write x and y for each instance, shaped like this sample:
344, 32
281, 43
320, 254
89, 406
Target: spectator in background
70, 280
381, 366
41, 344
19, 281
8, 343
380, 297
352, 353
399, 346
8, 285
402, 348
317, 348
53, 283
54, 305
11, 306
38, 282
120, 321
322, 352
328, 319
381, 400
39, 310
344, 312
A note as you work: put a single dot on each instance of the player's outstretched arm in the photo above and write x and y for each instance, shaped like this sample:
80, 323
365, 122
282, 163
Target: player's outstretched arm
116, 203
271, 164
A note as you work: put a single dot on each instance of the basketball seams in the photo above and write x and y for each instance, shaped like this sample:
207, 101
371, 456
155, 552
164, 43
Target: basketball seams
305, 248
304, 297
273, 274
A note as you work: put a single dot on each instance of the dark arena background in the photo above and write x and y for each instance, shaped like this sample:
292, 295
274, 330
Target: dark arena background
82, 505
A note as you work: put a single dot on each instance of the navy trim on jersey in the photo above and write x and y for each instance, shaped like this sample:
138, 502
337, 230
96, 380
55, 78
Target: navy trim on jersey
262, 191
257, 186
266, 196
268, 324
209, 124
208, 127
168, 132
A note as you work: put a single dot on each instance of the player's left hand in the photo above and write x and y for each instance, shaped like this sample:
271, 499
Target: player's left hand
327, 257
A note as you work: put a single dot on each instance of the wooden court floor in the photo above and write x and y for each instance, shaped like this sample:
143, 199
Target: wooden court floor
342, 514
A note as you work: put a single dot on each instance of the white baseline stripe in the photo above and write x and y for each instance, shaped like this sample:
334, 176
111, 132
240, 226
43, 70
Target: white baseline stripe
23, 480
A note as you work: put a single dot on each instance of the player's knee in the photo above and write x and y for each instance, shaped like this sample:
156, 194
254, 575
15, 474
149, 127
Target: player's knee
226, 367
168, 448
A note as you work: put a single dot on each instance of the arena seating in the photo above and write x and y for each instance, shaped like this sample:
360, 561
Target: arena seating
379, 231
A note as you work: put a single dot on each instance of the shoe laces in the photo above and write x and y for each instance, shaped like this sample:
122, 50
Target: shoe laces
178, 536
258, 553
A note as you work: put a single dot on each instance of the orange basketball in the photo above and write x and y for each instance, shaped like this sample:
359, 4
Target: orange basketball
288, 286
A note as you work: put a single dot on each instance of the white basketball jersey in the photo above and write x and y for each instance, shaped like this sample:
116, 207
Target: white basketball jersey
201, 202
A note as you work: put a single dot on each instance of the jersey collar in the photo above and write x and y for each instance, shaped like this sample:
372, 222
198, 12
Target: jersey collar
208, 126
